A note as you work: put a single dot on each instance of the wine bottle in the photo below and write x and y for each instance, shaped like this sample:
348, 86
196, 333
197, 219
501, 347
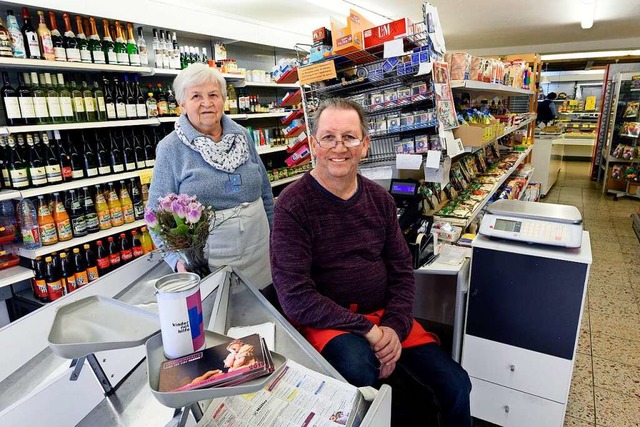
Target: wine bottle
64, 95
138, 150
167, 48
11, 102
17, 39
39, 100
142, 49
103, 156
149, 150
4, 155
157, 49
132, 47
77, 160
121, 106
109, 100
59, 48
17, 166
163, 107
128, 155
141, 105
90, 213
53, 99
89, 157
183, 58
51, 161
37, 172
120, 47
89, 103
117, 162
30, 36
71, 42
108, 45
83, 44
78, 102
138, 204
95, 45
64, 156
130, 99
98, 96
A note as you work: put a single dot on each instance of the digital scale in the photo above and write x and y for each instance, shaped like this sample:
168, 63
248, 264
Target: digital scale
531, 222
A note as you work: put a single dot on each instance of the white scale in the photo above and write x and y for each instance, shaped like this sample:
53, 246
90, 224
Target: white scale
531, 222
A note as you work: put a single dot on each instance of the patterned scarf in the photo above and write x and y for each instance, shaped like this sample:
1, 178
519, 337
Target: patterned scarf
226, 155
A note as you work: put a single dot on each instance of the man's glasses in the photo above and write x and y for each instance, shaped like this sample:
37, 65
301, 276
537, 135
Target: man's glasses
331, 141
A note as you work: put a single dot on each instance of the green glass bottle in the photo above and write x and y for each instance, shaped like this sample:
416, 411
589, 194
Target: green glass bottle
101, 107
120, 47
66, 104
83, 44
107, 44
78, 103
39, 100
89, 103
53, 99
95, 45
132, 48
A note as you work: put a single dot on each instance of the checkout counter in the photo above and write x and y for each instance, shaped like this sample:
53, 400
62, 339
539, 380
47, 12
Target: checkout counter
111, 387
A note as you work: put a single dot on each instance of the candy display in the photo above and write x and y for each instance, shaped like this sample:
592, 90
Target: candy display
464, 66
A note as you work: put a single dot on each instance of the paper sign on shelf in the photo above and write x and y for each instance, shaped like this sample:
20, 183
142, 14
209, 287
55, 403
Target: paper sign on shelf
424, 68
433, 159
393, 48
380, 172
145, 176
317, 72
441, 174
409, 161
454, 146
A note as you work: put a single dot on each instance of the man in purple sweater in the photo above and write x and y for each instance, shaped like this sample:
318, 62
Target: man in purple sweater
343, 273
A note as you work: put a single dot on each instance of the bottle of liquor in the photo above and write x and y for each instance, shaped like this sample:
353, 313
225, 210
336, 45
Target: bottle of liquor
107, 44
183, 58
130, 98
89, 158
39, 282
136, 245
90, 260
36, 170
157, 50
115, 207
142, 49
53, 99
149, 150
233, 99
89, 103
39, 100
172, 105
145, 239
121, 106
166, 49
25, 99
138, 150
132, 48
64, 96
163, 106
126, 253
95, 45
152, 106
109, 99
51, 161
77, 160
17, 40
64, 157
128, 155
141, 106
127, 204
11, 102
30, 36
4, 156
45, 38
175, 53
61, 218
90, 213
22, 147
102, 209
17, 166
78, 221
83, 44
102, 261
138, 204
79, 112
48, 234
117, 162
120, 47
59, 47
55, 289
82, 278
70, 40
101, 107
67, 275
114, 254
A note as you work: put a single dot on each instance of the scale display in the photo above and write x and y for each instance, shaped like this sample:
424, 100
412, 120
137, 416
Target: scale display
403, 188
506, 225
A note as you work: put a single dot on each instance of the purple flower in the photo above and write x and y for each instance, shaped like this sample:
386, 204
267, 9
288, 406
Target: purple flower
150, 218
193, 215
178, 209
183, 199
166, 202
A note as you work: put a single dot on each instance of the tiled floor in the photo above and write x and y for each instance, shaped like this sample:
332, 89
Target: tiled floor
605, 390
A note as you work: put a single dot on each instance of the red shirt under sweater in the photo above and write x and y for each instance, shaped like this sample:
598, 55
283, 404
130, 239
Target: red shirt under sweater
329, 256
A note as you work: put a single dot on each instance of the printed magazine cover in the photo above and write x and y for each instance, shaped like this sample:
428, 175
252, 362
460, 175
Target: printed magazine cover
229, 363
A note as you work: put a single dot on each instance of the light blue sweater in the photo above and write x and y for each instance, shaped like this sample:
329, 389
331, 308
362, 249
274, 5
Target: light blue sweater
179, 169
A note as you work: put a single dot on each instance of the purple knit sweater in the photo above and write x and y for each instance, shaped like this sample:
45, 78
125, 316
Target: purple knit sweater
328, 254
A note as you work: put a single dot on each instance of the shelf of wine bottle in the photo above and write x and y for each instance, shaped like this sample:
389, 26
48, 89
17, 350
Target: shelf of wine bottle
248, 116
70, 126
77, 241
172, 72
264, 149
79, 183
9, 195
12, 275
39, 64
267, 84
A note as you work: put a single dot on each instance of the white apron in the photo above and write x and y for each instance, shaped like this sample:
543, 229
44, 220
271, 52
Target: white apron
242, 242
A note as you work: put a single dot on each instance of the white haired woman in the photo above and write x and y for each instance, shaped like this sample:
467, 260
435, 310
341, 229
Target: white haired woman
212, 157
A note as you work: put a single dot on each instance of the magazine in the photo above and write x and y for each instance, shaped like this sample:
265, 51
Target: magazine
230, 363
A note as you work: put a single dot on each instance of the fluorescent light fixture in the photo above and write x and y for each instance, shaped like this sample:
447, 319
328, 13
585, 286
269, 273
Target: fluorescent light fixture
588, 11
589, 55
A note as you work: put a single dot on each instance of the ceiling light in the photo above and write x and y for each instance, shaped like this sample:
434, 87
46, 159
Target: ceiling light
588, 11
588, 55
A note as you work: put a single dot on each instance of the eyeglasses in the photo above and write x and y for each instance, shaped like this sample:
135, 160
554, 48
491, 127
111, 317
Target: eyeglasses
331, 141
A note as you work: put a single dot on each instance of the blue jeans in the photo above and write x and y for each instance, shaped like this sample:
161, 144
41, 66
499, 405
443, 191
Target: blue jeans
426, 366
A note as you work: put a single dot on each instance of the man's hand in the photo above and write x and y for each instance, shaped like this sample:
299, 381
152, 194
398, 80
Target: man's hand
386, 370
373, 336
180, 267
388, 348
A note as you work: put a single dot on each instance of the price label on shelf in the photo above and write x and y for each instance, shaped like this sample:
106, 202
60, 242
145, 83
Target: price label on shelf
145, 176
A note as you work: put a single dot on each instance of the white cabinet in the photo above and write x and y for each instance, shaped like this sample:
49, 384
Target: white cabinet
547, 160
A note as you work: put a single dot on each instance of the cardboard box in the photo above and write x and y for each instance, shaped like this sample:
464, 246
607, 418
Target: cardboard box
383, 33
322, 35
475, 135
348, 38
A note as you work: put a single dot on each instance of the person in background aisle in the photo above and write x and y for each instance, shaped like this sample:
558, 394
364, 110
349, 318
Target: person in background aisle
343, 274
212, 157
547, 109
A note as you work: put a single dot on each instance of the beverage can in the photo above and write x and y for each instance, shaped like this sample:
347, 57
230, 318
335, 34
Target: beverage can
180, 311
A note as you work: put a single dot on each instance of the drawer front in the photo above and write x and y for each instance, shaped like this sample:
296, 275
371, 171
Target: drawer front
517, 368
506, 407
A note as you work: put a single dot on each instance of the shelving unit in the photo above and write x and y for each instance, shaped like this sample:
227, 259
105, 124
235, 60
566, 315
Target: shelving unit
267, 84
5, 130
77, 241
265, 149
287, 180
507, 131
493, 88
15, 274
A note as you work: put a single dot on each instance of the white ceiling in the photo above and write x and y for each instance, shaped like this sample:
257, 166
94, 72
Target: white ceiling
489, 27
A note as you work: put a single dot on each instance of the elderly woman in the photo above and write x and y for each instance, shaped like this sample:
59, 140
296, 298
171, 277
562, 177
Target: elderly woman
212, 157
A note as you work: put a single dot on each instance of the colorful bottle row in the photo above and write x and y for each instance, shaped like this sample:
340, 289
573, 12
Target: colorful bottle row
59, 274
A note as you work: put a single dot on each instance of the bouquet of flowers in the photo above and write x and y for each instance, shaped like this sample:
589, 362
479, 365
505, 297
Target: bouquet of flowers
184, 225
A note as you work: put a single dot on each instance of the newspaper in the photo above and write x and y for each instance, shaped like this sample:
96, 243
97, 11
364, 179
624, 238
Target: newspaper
297, 397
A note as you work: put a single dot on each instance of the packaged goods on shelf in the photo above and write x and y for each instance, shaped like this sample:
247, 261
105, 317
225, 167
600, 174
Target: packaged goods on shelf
464, 66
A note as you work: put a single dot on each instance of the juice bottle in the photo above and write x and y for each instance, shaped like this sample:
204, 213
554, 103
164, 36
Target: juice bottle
61, 217
102, 209
92, 266
82, 278
47, 225
55, 289
145, 239
115, 207
127, 204
67, 276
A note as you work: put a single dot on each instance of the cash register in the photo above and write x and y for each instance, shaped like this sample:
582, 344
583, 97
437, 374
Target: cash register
415, 227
